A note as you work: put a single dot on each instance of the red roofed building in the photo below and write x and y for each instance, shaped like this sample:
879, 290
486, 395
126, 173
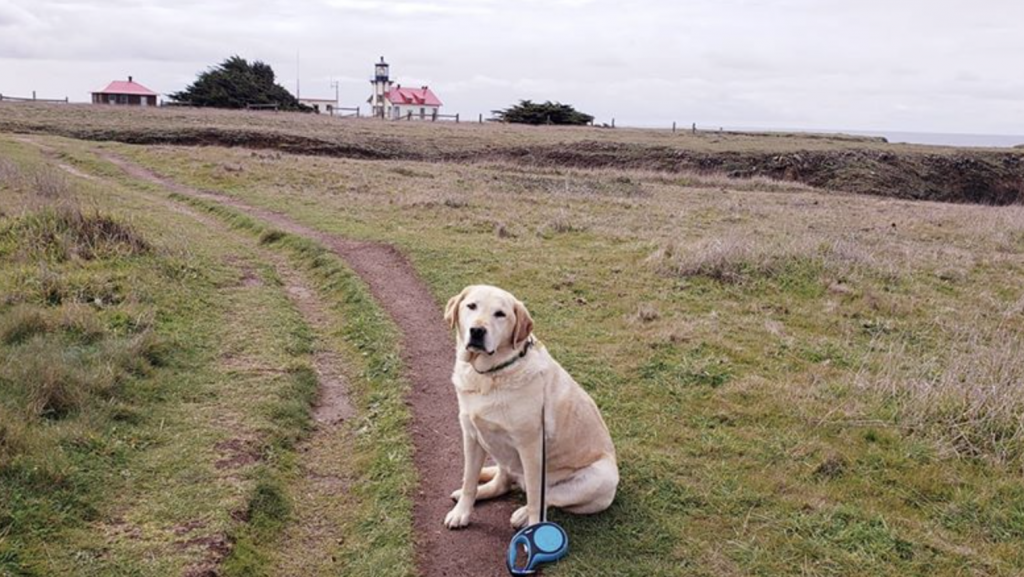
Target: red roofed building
416, 102
129, 93
390, 100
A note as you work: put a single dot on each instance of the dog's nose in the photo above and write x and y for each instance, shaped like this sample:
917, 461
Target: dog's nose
477, 333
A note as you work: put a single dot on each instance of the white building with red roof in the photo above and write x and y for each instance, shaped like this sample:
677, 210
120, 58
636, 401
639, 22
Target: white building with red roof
390, 100
129, 93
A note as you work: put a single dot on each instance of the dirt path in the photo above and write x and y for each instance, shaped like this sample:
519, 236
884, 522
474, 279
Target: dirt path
428, 355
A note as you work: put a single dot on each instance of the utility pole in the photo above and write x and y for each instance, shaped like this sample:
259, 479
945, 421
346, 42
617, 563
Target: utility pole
334, 85
297, 93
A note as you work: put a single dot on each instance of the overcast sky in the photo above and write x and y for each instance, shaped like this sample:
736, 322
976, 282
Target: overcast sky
918, 65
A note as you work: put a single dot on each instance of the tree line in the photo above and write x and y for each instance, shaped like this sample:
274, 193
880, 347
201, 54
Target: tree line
238, 83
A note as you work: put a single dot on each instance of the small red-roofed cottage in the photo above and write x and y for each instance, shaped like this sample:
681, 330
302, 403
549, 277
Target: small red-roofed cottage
129, 93
390, 100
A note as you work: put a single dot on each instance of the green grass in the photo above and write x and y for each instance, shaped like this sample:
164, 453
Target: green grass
116, 400
731, 407
762, 423
379, 539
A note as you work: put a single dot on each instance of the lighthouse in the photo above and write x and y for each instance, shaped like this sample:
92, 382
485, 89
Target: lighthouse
393, 102
381, 86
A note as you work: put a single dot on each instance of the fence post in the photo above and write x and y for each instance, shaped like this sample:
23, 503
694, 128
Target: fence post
65, 100
695, 128
481, 118
33, 95
456, 118
673, 126
357, 112
613, 123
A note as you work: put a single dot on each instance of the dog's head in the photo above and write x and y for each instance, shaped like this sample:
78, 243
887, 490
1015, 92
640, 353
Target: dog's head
487, 319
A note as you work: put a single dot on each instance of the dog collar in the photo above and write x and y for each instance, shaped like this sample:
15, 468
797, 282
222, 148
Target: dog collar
509, 362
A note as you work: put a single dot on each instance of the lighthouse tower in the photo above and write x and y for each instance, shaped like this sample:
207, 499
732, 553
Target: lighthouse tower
381, 86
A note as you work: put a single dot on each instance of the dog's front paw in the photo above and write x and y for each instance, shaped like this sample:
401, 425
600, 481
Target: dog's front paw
458, 517
520, 517
456, 495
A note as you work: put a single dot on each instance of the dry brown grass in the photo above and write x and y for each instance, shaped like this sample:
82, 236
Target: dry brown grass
444, 138
53, 225
971, 396
59, 357
564, 222
645, 313
740, 256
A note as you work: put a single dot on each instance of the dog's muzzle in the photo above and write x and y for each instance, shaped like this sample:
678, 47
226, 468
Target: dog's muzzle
477, 339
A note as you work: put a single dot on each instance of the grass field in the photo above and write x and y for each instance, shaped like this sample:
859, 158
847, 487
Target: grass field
797, 382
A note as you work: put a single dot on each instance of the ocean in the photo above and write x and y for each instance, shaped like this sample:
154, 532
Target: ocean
941, 139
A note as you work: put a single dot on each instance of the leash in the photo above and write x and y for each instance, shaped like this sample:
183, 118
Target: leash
543, 542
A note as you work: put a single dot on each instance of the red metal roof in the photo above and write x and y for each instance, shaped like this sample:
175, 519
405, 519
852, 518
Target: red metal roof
129, 87
424, 96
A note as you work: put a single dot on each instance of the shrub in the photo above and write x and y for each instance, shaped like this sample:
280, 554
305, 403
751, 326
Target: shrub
529, 112
237, 83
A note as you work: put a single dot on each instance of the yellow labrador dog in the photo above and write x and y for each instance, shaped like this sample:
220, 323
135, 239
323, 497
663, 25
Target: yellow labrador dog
503, 375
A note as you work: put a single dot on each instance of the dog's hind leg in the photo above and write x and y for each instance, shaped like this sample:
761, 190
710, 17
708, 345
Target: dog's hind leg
500, 484
497, 483
589, 490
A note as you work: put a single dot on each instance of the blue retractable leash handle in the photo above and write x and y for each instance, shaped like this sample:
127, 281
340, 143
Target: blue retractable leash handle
544, 542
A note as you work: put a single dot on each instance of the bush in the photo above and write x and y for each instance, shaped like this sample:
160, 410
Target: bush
528, 112
235, 83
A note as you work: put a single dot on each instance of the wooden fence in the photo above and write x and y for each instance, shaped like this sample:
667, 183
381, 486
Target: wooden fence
433, 117
8, 98
345, 112
274, 107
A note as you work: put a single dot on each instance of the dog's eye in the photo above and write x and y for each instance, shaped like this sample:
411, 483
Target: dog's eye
471, 306
500, 314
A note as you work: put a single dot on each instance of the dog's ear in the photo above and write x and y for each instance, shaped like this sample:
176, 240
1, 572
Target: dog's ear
451, 312
524, 325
